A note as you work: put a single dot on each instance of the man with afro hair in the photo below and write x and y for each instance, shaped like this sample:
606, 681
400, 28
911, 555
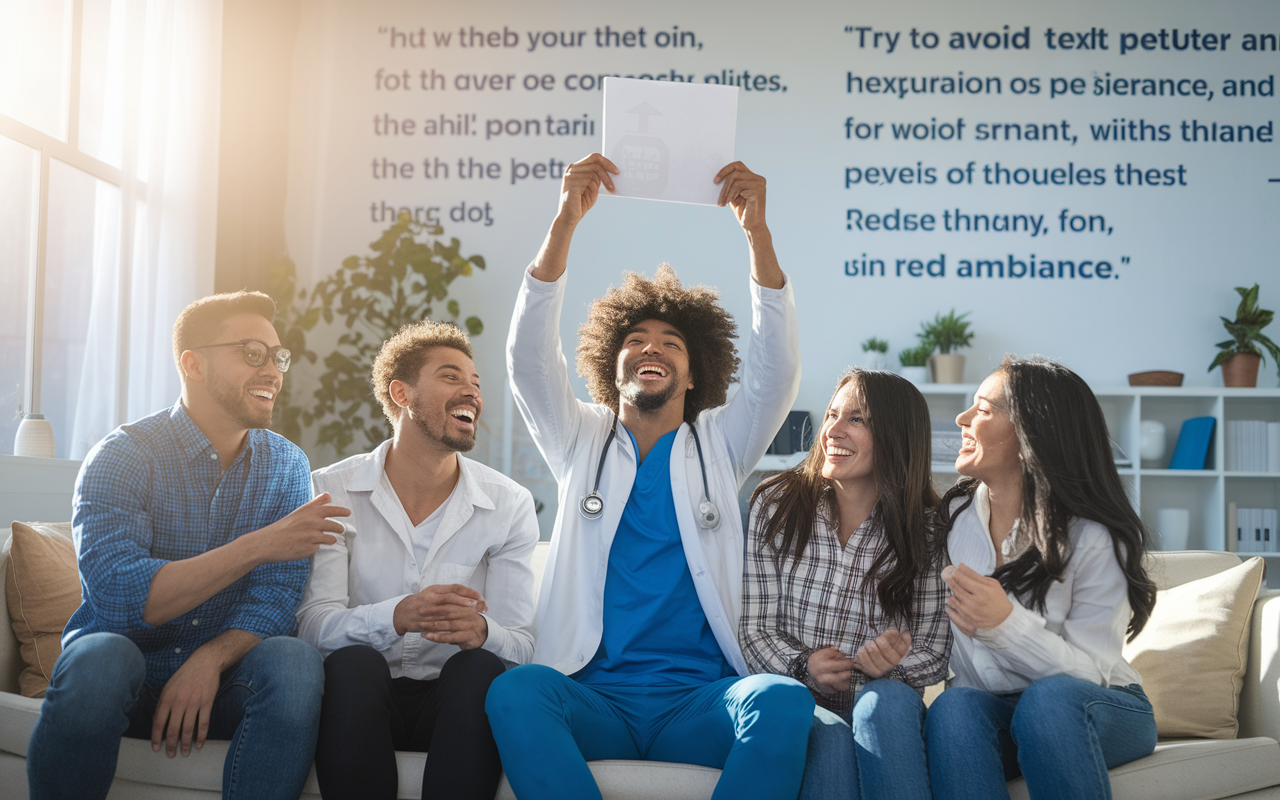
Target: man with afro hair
637, 654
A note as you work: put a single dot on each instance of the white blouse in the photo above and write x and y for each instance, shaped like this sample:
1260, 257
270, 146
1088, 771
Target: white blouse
1080, 632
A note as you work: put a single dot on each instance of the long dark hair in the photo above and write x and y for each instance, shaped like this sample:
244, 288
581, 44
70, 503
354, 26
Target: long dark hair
898, 418
1067, 471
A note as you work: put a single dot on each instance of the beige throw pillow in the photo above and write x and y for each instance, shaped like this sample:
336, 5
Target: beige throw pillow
42, 587
1193, 652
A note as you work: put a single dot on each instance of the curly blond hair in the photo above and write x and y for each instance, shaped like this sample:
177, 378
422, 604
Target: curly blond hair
402, 357
707, 328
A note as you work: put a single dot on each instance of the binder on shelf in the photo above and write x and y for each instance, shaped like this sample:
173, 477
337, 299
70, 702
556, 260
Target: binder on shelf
1246, 448
1192, 450
1269, 530
1273, 447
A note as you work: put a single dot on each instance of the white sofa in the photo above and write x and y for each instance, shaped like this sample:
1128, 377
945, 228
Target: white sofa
1247, 767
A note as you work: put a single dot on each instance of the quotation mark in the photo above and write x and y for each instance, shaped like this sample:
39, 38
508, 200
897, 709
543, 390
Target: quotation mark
848, 29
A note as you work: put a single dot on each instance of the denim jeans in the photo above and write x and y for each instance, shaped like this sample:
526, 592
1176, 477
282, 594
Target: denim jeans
1061, 734
548, 726
881, 756
268, 705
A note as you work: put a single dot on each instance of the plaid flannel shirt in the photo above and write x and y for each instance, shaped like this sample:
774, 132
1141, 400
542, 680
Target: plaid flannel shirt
153, 491
789, 613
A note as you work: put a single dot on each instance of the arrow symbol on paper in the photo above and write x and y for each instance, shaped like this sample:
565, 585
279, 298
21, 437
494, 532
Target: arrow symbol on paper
644, 111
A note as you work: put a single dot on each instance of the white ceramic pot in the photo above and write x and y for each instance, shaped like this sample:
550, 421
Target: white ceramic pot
34, 437
877, 361
1151, 440
947, 368
917, 375
1174, 526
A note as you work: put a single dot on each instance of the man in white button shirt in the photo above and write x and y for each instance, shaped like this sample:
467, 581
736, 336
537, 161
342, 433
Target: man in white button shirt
429, 595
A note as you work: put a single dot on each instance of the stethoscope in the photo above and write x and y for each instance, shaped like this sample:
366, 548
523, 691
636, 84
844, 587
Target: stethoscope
593, 504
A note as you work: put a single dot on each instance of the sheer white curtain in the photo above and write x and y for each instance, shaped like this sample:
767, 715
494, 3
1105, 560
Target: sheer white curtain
169, 214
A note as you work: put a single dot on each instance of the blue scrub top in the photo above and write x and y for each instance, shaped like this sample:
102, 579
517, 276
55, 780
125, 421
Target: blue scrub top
655, 631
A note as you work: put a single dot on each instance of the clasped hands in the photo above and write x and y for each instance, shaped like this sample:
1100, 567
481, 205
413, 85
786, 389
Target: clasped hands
833, 670
444, 614
977, 602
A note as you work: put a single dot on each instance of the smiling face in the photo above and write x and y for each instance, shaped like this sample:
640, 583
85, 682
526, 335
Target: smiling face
246, 394
653, 366
444, 404
846, 438
989, 445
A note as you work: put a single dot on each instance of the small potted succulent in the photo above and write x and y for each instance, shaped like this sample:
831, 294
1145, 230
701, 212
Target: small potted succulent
915, 362
876, 348
946, 333
1239, 356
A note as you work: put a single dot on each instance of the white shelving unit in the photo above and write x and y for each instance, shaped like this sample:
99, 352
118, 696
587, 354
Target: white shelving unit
1204, 492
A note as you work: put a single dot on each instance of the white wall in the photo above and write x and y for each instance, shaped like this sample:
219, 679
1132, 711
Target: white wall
35, 490
1176, 251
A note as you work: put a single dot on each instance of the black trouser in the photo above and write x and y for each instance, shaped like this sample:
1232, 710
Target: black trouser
367, 715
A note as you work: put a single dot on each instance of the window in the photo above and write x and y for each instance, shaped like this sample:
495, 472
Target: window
96, 109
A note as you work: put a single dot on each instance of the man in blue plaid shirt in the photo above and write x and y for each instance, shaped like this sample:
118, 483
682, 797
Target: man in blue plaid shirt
193, 529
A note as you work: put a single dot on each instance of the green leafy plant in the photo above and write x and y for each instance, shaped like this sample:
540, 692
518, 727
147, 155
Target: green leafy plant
1246, 331
874, 345
368, 299
946, 333
916, 356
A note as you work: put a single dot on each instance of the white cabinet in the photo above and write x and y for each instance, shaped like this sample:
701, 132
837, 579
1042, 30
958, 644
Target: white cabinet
1206, 493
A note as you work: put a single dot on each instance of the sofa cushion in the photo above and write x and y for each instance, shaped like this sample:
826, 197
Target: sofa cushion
1193, 652
42, 588
1191, 770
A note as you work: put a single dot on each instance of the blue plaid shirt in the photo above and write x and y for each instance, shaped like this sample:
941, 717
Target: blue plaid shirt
152, 492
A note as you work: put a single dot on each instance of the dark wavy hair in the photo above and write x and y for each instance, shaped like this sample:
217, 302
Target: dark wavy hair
1068, 471
898, 418
708, 331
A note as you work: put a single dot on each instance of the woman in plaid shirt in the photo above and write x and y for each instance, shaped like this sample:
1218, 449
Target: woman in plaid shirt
842, 589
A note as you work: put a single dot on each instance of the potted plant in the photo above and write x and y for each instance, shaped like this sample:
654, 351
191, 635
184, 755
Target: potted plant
915, 363
947, 334
1239, 356
877, 348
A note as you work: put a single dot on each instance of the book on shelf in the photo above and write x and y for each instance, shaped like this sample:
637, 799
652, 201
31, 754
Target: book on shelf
1192, 450
1273, 447
1233, 528
1247, 445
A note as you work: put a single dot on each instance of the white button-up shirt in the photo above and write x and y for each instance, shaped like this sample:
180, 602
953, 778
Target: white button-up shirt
571, 435
485, 540
1083, 626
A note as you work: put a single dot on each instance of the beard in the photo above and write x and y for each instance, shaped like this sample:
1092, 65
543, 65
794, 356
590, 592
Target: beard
436, 427
231, 398
647, 402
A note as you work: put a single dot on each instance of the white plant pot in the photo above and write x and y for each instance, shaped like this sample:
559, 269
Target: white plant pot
34, 437
877, 361
917, 375
947, 368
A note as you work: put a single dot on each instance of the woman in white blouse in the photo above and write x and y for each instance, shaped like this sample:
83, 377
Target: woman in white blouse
1046, 581
842, 589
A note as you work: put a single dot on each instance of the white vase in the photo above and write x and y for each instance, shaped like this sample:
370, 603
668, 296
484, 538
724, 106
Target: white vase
34, 438
917, 375
1151, 440
1174, 527
877, 361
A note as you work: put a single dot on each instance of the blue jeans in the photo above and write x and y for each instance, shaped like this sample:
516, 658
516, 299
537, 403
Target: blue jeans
548, 726
268, 705
881, 756
1061, 734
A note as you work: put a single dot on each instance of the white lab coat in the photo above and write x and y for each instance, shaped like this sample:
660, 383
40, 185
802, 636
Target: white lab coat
570, 435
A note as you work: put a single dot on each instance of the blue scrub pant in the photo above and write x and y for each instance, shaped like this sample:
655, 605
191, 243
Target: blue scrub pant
548, 726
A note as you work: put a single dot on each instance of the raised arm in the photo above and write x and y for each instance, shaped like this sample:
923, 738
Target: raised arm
579, 190
770, 376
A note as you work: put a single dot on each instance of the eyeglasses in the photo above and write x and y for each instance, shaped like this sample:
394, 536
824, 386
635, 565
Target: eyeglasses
256, 353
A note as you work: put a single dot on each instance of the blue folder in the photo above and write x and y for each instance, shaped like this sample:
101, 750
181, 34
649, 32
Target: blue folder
1192, 451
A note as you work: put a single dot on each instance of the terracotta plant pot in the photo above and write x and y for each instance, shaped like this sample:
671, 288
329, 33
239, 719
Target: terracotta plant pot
947, 368
1241, 371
